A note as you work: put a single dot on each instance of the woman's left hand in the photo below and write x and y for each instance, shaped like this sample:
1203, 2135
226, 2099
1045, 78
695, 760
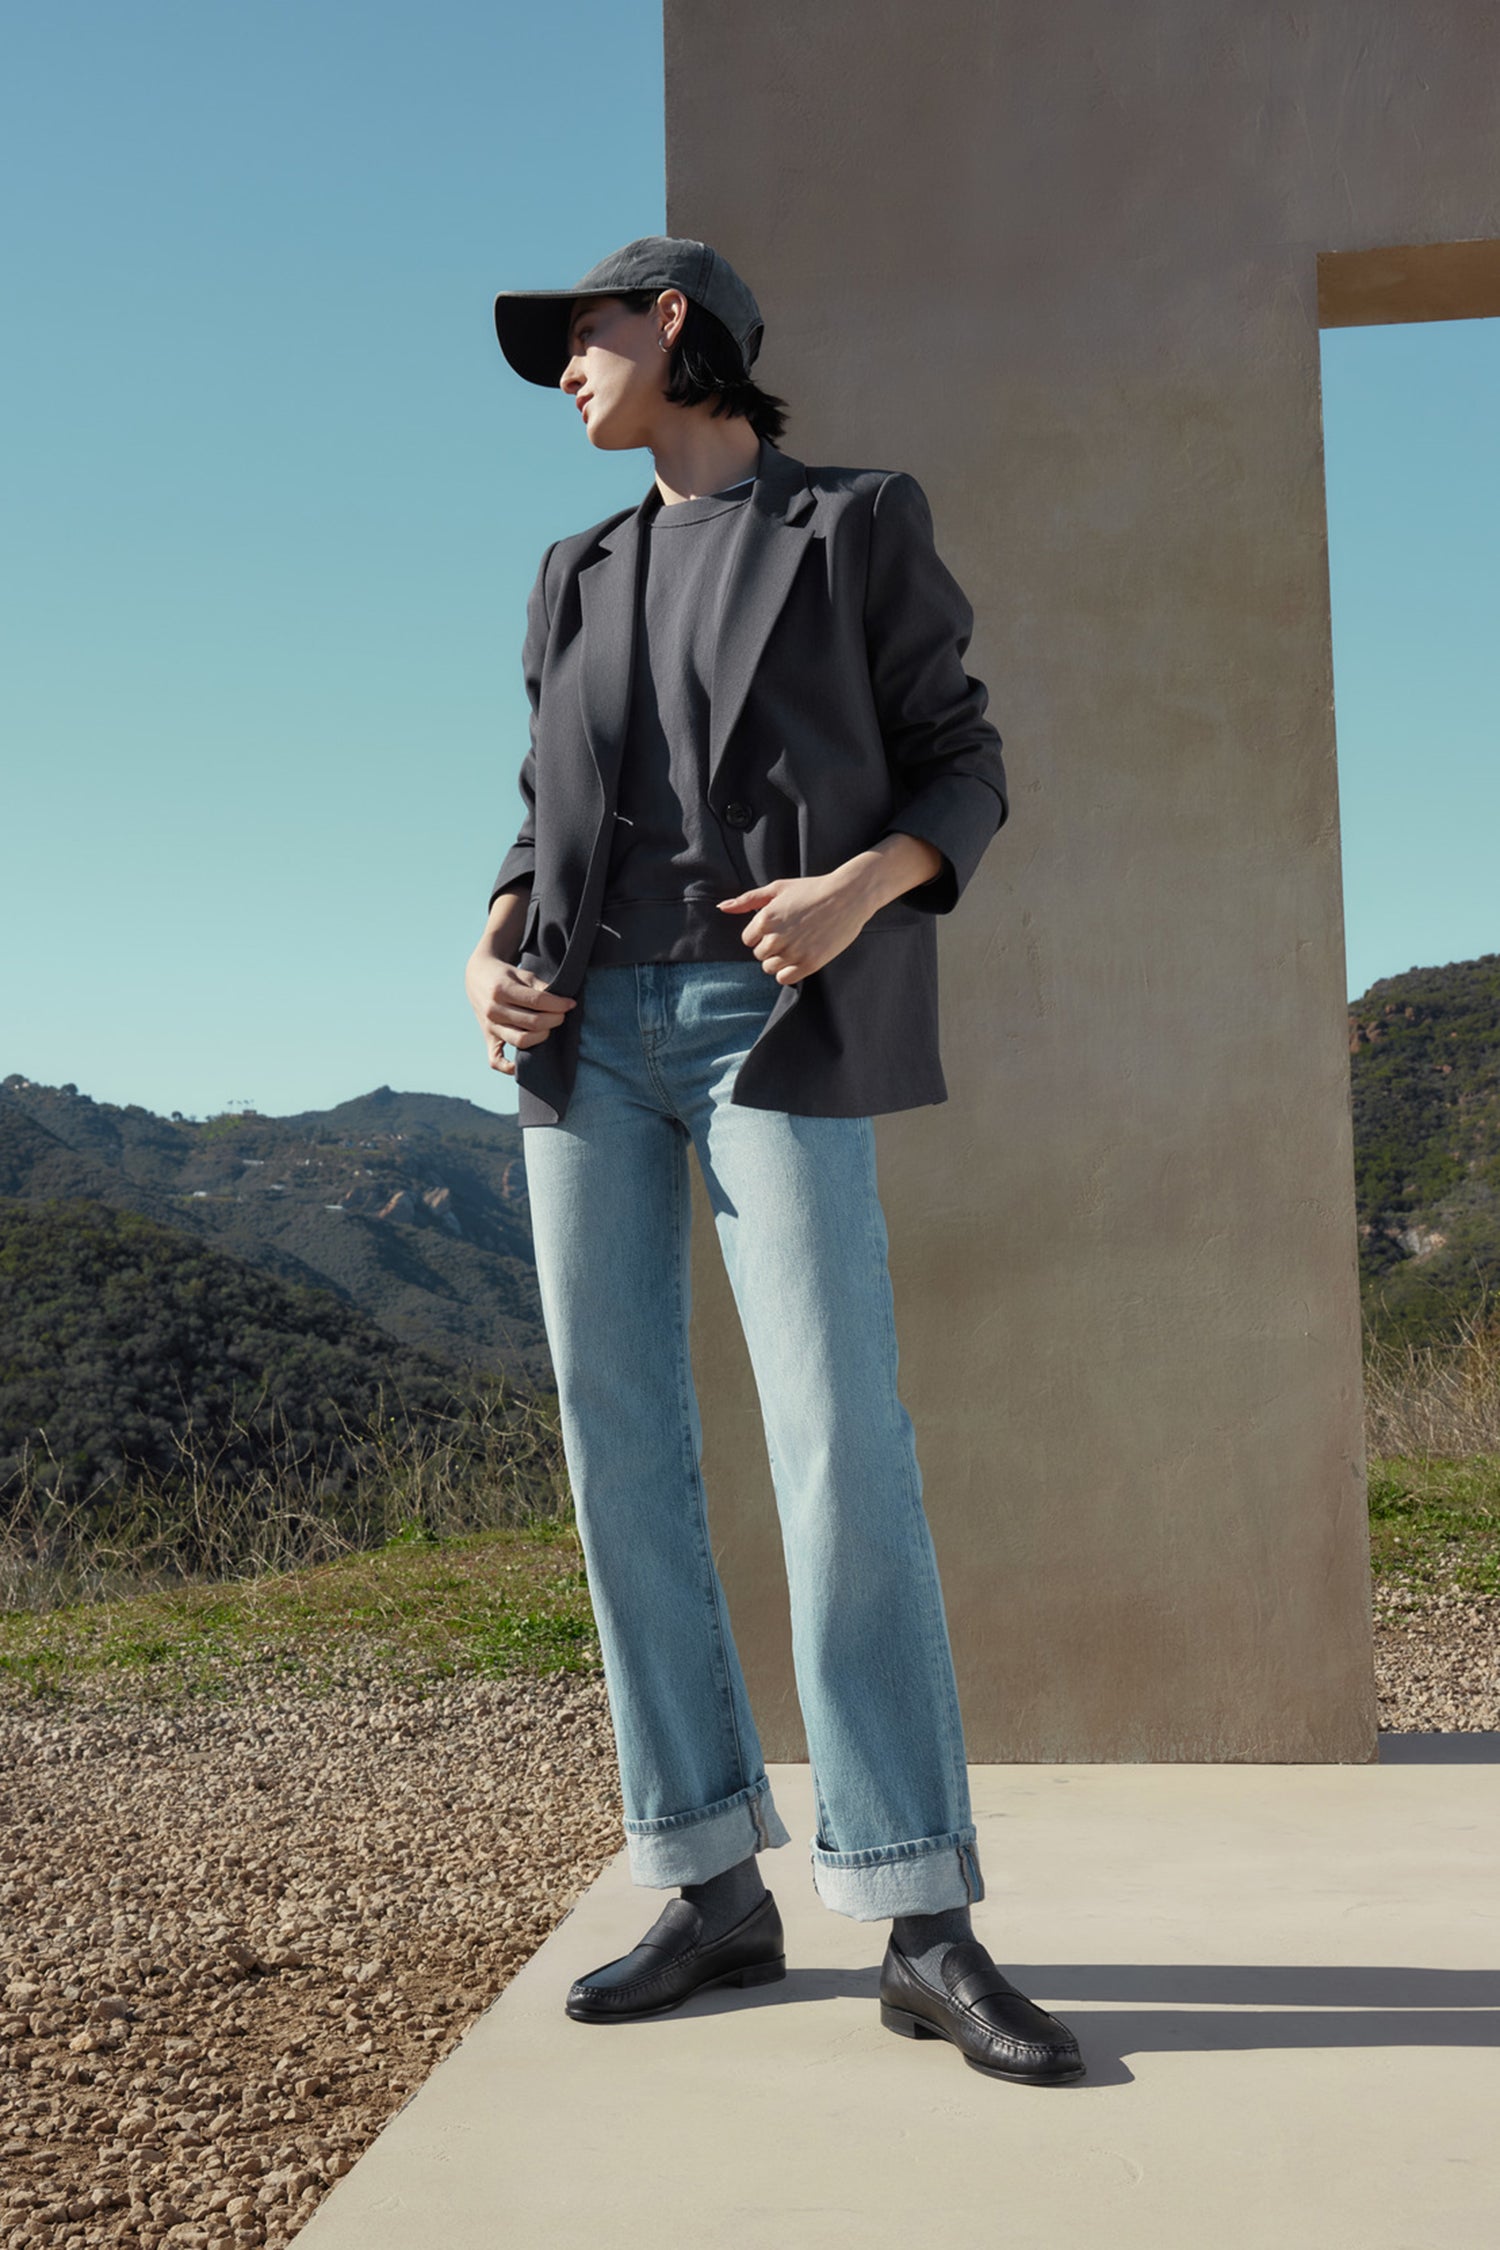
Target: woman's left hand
798, 922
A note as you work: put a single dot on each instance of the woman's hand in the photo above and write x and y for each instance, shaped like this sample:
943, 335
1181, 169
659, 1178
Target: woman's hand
798, 922
511, 1004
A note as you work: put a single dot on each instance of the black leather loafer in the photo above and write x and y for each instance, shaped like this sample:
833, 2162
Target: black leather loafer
979, 2010
671, 1963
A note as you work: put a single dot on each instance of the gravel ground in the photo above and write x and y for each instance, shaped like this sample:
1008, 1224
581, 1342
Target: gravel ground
1437, 1662
234, 1938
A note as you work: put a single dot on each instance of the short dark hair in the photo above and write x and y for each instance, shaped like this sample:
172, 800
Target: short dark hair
706, 362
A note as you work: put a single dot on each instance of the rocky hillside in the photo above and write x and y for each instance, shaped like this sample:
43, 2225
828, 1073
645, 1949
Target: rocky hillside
409, 1207
1424, 1061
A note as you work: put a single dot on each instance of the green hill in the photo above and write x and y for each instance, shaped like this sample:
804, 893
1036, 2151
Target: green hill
1424, 1064
124, 1343
410, 1207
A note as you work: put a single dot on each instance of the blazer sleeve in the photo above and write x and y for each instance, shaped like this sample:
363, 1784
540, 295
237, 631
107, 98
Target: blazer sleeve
944, 753
519, 863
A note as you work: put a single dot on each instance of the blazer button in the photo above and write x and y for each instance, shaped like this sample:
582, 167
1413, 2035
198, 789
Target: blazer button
739, 816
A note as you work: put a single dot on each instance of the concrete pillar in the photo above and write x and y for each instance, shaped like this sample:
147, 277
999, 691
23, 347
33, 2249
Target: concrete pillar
1063, 264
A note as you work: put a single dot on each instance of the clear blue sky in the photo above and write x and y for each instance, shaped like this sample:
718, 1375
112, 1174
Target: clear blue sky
273, 502
1412, 462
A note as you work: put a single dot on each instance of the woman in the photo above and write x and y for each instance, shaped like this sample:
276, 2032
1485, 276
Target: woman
757, 772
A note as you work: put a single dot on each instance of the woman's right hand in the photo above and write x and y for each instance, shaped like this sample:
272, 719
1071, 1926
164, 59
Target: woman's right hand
512, 1004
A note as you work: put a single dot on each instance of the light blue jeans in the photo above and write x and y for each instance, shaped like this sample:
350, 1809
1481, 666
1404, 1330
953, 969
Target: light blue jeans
803, 1233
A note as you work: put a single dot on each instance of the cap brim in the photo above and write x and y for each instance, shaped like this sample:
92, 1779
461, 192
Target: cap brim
532, 325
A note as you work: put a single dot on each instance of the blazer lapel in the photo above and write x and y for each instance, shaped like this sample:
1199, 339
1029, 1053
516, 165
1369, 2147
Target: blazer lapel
607, 589
772, 539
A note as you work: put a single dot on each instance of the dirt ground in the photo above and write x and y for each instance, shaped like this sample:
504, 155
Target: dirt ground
234, 1938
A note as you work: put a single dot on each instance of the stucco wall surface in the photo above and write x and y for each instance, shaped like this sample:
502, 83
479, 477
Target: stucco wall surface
1061, 264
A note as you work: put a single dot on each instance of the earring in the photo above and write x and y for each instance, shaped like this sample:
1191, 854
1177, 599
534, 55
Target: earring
662, 341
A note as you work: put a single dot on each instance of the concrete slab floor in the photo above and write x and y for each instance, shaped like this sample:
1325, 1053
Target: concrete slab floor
1285, 1981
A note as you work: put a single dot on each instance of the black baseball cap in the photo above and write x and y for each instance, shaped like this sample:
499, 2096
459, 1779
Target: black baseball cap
532, 324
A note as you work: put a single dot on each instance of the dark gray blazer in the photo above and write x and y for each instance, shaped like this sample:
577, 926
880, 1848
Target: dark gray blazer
840, 711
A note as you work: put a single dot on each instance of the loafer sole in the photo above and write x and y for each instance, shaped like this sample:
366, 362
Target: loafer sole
917, 2027
752, 1972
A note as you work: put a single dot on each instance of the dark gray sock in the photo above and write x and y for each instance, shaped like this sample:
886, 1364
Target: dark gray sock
726, 1899
924, 1938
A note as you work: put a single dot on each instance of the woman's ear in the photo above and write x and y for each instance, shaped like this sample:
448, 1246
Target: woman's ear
671, 308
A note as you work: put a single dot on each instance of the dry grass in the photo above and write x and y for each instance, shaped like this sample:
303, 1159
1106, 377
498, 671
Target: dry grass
1422, 1402
497, 1464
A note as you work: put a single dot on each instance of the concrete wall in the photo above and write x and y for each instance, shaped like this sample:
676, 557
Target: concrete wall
1063, 265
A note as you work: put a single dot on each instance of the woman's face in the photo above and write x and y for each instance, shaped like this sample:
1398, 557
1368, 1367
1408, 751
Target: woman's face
617, 374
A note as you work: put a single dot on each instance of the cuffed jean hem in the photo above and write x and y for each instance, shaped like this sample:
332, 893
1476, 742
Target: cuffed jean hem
924, 1877
690, 1847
